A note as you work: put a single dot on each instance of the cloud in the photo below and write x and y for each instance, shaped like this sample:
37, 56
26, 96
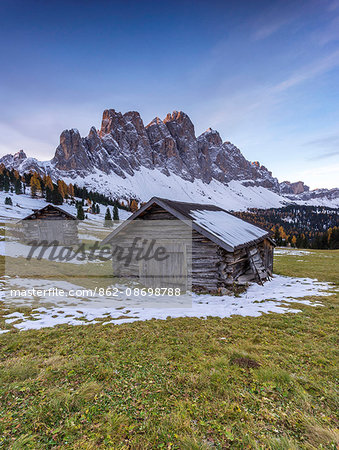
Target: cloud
316, 175
309, 71
330, 33
333, 5
325, 155
328, 143
332, 140
256, 102
267, 30
282, 14
251, 116
321, 170
278, 15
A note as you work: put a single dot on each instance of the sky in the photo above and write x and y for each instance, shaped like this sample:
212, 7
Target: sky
265, 74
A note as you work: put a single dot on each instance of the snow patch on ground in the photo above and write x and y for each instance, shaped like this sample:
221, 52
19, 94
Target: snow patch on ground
276, 296
291, 252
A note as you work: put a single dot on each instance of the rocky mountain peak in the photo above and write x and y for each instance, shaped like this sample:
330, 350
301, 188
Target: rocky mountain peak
19, 156
155, 121
211, 136
182, 131
166, 155
134, 117
70, 142
93, 132
111, 120
125, 149
124, 146
180, 123
299, 187
93, 140
71, 152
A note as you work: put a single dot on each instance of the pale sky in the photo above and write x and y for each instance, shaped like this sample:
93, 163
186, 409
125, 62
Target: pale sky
265, 74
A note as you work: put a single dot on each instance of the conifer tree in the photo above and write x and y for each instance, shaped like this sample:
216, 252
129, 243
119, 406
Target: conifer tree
49, 196
48, 183
108, 218
333, 242
35, 185
6, 183
95, 208
70, 190
134, 206
80, 212
18, 186
62, 188
57, 198
115, 212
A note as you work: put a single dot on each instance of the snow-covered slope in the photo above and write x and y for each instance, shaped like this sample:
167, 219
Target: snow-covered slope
23, 205
147, 183
235, 195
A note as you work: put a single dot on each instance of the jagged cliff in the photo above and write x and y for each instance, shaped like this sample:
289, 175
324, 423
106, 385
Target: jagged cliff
123, 145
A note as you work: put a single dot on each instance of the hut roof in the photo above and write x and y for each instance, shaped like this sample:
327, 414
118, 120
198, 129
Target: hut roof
215, 223
49, 207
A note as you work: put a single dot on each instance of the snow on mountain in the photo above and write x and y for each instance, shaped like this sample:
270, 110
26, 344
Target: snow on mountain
146, 183
126, 159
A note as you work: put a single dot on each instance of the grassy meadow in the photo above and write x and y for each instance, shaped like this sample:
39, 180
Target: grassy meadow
241, 382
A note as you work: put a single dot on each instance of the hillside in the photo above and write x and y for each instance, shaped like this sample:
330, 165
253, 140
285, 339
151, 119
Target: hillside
24, 204
299, 225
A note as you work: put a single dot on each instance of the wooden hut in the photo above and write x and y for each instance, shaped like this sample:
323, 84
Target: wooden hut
226, 250
50, 224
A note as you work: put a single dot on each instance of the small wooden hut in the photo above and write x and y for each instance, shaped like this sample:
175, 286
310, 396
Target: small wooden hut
226, 250
50, 223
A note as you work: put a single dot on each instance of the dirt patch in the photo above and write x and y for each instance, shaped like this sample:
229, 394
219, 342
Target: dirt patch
245, 363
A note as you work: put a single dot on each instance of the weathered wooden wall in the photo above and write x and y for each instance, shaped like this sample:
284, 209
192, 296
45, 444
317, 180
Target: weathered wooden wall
50, 224
174, 236
212, 267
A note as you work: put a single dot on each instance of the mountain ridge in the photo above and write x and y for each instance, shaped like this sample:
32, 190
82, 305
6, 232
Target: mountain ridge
124, 147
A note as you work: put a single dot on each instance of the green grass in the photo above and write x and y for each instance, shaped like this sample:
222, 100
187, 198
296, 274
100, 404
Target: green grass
269, 383
320, 264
